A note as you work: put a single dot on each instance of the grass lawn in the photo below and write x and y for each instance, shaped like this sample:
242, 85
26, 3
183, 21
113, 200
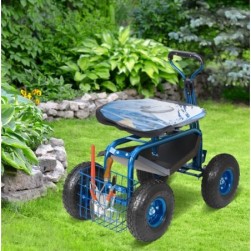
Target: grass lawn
44, 225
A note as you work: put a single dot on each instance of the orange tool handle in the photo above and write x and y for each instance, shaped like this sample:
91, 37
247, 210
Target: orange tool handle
93, 173
110, 195
112, 191
107, 174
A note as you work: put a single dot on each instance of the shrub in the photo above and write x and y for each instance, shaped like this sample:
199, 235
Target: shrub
37, 35
155, 19
218, 30
117, 62
52, 88
22, 131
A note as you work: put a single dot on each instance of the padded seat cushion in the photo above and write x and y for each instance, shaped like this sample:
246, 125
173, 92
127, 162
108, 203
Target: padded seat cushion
148, 117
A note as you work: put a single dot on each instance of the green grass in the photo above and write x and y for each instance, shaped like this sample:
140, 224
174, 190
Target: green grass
43, 224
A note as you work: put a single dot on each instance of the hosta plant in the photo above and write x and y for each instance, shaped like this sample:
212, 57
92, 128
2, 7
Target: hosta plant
115, 62
22, 131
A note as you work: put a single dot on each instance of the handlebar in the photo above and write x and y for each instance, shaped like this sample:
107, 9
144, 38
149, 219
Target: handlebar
186, 54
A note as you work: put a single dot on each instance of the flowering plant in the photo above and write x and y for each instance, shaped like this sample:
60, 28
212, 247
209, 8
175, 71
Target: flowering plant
33, 95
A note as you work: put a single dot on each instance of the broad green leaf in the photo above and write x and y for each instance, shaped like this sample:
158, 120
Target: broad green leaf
72, 66
85, 87
15, 143
17, 159
9, 141
83, 63
124, 34
69, 67
103, 73
100, 50
169, 68
114, 64
107, 38
158, 61
143, 52
7, 113
8, 88
152, 65
82, 50
29, 154
103, 64
7, 158
90, 43
137, 67
135, 80
122, 68
171, 78
91, 75
156, 79
93, 59
148, 69
79, 76
110, 86
65, 68
129, 63
107, 46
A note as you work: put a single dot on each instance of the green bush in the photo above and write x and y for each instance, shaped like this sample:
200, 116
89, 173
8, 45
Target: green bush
155, 19
37, 37
52, 88
218, 30
22, 131
117, 62
237, 93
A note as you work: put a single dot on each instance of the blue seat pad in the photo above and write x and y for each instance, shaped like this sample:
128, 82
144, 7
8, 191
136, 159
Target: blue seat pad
148, 117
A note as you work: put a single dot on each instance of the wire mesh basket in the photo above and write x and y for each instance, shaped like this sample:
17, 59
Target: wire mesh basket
109, 210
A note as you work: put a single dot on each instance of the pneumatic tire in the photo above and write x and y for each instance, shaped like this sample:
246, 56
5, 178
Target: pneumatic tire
71, 190
220, 181
150, 211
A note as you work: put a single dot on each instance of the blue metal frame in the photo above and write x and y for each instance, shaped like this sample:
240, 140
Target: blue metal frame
154, 142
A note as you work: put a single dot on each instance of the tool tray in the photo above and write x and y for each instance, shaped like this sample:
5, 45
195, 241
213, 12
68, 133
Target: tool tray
166, 158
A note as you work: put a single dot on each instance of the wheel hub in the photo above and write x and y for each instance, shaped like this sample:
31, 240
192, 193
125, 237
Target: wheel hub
156, 212
226, 182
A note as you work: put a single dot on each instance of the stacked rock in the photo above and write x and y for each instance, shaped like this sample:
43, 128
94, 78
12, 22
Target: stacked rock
51, 169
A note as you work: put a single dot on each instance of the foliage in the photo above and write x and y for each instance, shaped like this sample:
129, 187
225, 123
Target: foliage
22, 130
37, 37
237, 93
117, 62
52, 88
217, 31
155, 19
124, 10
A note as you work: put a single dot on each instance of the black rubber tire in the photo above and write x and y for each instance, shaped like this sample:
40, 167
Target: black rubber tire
71, 189
144, 177
139, 205
211, 180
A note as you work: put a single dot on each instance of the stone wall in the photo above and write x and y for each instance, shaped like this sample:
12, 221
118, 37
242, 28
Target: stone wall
51, 169
86, 105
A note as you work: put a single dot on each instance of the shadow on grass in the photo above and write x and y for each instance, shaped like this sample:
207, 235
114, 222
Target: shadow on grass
207, 209
185, 198
139, 244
